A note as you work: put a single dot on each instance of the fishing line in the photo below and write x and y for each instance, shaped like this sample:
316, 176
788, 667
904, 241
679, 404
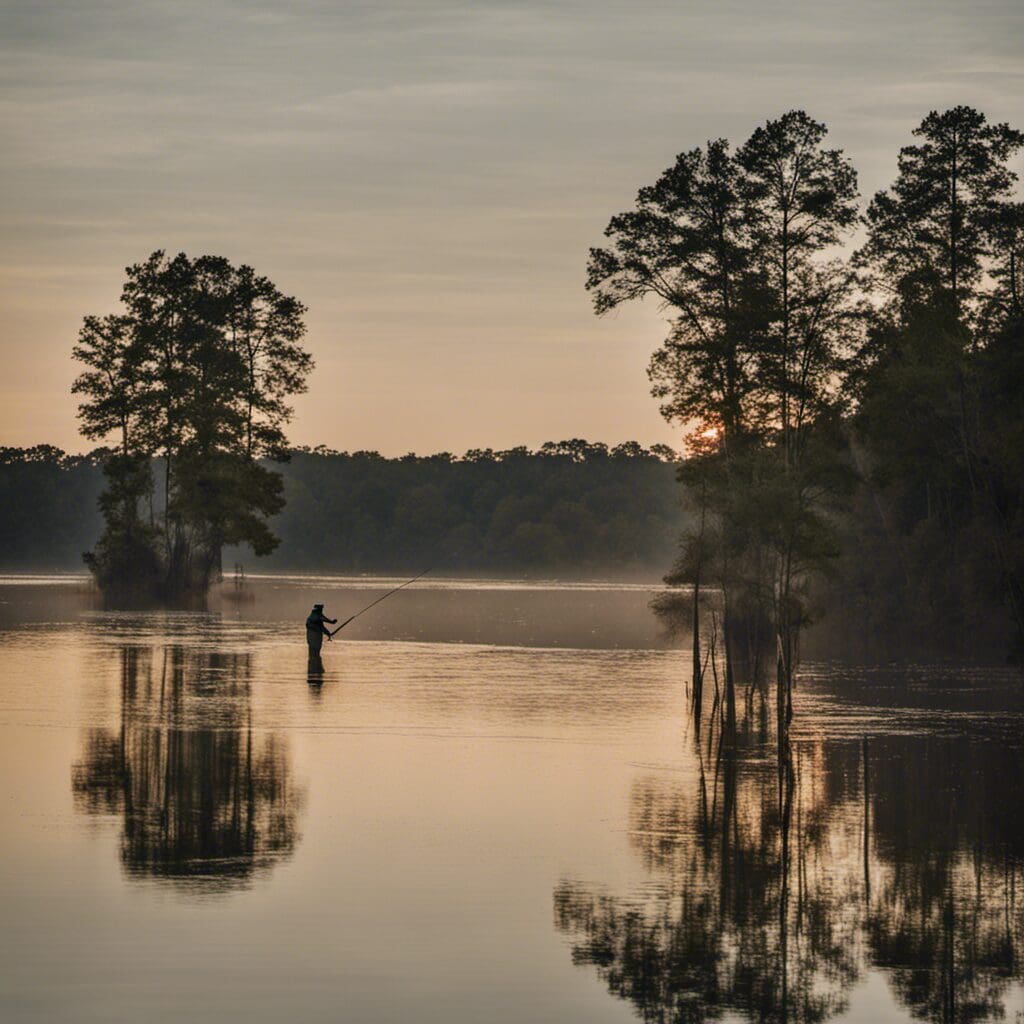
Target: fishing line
378, 601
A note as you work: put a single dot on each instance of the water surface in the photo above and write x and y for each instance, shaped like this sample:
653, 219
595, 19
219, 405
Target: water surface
489, 802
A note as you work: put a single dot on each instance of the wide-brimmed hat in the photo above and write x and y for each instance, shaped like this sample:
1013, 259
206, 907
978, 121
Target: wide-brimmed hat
318, 606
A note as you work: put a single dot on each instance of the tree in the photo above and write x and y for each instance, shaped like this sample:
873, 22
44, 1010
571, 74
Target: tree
930, 232
266, 327
685, 244
1004, 224
800, 200
937, 384
734, 247
197, 372
114, 386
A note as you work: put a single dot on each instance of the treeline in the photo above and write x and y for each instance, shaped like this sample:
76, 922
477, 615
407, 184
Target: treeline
568, 507
49, 506
932, 549
859, 438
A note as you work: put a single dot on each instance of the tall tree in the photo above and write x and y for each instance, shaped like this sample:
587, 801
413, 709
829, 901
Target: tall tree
801, 198
944, 243
1005, 229
113, 386
197, 372
928, 234
684, 243
267, 328
735, 248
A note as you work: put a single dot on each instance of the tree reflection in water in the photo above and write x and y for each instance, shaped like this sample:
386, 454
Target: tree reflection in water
777, 886
204, 800
947, 920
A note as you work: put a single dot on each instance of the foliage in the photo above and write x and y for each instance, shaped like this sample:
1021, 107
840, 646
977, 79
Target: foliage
568, 507
685, 244
940, 408
798, 372
761, 318
931, 233
197, 371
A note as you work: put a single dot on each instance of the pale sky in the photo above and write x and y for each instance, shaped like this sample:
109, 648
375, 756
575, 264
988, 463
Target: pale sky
427, 177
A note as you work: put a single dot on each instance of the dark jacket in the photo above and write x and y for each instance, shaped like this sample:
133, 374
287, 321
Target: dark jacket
316, 622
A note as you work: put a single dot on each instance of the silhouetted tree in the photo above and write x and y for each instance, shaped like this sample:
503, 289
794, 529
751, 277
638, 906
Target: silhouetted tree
197, 371
939, 395
735, 249
930, 233
685, 243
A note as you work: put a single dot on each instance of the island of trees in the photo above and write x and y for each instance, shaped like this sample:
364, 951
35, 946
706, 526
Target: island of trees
194, 374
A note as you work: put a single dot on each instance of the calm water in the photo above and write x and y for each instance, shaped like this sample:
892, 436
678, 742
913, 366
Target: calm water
489, 804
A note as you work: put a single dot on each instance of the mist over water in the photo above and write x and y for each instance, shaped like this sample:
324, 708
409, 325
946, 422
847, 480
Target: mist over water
488, 802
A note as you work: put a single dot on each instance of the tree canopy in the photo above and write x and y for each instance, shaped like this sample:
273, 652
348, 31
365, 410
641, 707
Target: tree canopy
197, 370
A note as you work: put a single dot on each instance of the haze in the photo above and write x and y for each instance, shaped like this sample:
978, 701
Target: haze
427, 177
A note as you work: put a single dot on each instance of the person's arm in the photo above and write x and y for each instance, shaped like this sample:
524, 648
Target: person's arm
332, 621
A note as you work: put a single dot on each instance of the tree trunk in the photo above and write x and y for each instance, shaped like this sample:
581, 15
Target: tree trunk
698, 673
730, 682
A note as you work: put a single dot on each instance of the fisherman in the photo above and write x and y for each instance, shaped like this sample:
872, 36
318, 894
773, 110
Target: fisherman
316, 630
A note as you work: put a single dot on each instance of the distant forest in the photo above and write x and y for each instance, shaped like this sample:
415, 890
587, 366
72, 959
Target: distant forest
570, 507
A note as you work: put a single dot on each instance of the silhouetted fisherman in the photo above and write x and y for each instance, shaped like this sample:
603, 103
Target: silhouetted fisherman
316, 630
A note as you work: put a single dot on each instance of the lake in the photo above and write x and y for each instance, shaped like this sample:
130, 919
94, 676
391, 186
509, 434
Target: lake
490, 802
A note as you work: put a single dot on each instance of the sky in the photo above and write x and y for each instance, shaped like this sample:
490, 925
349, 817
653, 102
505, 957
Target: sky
426, 176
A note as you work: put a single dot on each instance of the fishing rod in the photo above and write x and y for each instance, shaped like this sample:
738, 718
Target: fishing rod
378, 601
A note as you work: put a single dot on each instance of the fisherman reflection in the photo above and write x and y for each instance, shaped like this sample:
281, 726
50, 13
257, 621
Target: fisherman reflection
315, 674
203, 800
